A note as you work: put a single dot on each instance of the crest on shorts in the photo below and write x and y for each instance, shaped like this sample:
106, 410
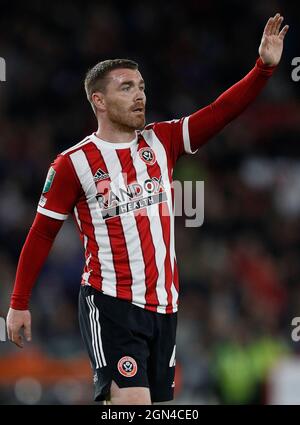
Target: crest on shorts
147, 155
127, 366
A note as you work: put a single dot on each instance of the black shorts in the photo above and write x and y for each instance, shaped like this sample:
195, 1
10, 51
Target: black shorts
127, 344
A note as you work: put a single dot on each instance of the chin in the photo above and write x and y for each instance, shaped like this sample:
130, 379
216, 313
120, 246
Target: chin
139, 124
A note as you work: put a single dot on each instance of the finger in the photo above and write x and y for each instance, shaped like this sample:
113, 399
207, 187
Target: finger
17, 339
274, 23
8, 332
283, 32
278, 25
264, 42
268, 26
27, 331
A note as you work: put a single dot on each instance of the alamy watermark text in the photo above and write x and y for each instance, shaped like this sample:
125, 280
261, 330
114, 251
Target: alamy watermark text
2, 69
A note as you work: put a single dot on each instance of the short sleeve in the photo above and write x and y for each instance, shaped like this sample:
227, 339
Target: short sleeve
61, 190
175, 137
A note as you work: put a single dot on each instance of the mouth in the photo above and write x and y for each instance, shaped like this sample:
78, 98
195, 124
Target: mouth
138, 110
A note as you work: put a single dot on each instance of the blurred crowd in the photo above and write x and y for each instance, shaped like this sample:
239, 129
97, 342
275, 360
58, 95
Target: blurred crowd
239, 271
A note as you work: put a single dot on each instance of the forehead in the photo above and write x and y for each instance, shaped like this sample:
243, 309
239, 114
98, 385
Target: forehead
118, 76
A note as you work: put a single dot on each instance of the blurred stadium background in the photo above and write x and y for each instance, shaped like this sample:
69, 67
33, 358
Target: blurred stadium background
240, 271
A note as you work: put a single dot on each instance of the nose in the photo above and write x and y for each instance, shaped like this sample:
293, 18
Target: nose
139, 94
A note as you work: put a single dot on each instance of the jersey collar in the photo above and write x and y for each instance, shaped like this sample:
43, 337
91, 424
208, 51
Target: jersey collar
114, 145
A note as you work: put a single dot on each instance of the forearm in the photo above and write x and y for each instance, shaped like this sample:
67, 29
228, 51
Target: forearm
33, 256
207, 122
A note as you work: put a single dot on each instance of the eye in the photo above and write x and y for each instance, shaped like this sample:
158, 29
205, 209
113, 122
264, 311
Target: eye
126, 88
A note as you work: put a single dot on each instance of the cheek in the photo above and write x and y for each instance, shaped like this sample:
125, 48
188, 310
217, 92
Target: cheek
112, 109
119, 105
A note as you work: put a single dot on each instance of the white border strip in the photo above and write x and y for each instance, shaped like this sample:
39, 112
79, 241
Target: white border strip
172, 362
52, 214
93, 331
186, 136
98, 331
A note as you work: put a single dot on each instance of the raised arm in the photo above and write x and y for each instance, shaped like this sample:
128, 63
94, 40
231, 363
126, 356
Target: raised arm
208, 121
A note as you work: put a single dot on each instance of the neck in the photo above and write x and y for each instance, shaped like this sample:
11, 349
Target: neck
114, 133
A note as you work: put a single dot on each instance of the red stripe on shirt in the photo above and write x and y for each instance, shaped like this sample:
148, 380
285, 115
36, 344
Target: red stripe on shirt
164, 214
116, 236
144, 230
87, 229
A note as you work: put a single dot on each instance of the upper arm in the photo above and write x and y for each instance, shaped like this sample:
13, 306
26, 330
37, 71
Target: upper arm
175, 136
61, 189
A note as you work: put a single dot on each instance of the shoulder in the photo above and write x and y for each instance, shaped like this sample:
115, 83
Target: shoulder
164, 127
64, 161
164, 130
161, 125
78, 146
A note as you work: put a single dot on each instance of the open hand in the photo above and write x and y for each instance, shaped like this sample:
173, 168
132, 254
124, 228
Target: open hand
271, 46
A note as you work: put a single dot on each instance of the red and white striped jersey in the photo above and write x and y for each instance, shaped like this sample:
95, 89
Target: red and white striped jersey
121, 198
120, 195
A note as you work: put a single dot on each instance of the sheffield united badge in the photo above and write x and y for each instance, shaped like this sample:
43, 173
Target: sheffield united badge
147, 155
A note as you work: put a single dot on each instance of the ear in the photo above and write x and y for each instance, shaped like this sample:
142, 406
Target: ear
99, 101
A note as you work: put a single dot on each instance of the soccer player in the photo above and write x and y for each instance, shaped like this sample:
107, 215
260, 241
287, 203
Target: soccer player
117, 185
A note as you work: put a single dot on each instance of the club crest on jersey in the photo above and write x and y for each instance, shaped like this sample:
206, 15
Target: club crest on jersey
147, 155
127, 366
49, 180
100, 175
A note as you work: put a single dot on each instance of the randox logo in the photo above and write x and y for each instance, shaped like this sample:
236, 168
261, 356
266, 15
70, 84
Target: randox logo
107, 198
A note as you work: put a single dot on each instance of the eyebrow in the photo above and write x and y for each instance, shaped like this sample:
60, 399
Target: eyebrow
131, 82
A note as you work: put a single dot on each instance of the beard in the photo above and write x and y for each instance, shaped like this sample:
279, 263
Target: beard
127, 120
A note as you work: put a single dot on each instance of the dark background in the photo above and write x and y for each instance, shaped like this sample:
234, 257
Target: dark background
239, 271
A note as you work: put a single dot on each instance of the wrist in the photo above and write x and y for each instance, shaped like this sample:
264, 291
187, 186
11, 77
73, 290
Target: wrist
260, 63
19, 303
264, 69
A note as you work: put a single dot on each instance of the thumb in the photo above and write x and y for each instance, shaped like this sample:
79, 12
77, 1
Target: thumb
264, 41
27, 331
